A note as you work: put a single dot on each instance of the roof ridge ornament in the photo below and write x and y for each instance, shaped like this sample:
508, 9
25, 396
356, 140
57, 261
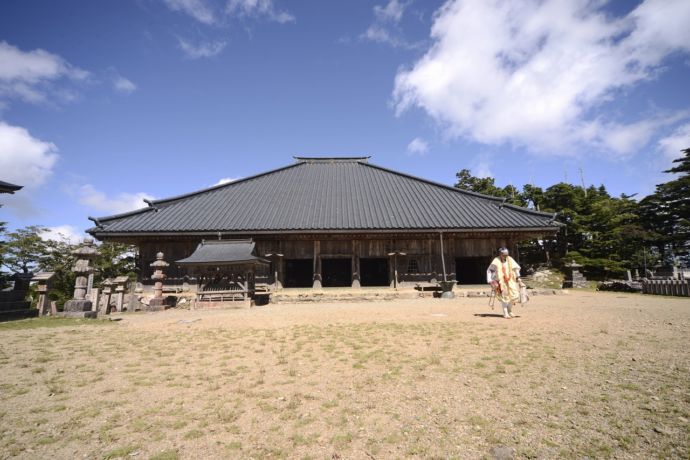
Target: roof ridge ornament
362, 159
151, 204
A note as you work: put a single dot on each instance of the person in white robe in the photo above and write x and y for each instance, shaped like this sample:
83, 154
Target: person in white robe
504, 277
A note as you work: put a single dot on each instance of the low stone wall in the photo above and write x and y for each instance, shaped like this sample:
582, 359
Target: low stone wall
667, 287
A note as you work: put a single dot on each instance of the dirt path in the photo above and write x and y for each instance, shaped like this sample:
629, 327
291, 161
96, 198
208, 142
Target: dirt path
582, 375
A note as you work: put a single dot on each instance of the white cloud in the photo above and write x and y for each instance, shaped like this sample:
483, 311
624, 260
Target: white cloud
24, 160
202, 50
392, 11
225, 180
29, 75
124, 85
95, 199
198, 9
385, 28
67, 233
483, 168
258, 8
678, 140
418, 146
533, 73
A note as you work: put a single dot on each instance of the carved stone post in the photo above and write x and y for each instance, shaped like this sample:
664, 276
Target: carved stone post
79, 306
43, 288
158, 302
120, 288
106, 295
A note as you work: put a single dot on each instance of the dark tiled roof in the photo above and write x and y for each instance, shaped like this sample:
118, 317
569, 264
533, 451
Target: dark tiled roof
317, 194
222, 253
6, 187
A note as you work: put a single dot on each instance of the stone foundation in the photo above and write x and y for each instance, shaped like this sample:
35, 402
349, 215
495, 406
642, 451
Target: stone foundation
157, 304
79, 309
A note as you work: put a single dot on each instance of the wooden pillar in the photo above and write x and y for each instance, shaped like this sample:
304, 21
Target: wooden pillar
317, 265
355, 265
450, 261
393, 264
433, 262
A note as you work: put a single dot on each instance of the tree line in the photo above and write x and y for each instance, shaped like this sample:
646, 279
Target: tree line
606, 234
25, 251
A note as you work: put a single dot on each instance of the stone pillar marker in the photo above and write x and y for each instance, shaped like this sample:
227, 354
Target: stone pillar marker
120, 288
89, 285
43, 288
158, 302
105, 296
79, 306
95, 297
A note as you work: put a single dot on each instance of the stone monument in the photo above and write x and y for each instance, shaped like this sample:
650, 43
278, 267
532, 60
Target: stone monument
120, 288
13, 304
43, 279
79, 306
106, 296
158, 301
573, 277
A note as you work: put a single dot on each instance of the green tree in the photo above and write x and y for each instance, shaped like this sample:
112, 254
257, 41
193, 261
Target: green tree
23, 249
59, 259
484, 185
116, 259
666, 212
487, 186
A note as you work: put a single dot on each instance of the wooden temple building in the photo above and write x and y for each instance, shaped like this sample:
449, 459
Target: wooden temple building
332, 222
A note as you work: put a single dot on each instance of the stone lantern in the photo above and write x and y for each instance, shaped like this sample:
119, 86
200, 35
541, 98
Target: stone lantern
44, 284
573, 277
158, 302
79, 306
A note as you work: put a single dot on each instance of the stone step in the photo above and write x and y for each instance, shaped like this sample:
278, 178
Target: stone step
14, 305
11, 296
18, 314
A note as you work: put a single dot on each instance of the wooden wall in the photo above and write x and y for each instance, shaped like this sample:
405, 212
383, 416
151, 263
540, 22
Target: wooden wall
425, 248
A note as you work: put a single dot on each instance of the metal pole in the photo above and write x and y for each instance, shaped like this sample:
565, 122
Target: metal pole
443, 259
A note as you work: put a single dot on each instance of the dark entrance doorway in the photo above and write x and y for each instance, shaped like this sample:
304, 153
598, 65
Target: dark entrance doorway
471, 270
299, 273
373, 272
336, 272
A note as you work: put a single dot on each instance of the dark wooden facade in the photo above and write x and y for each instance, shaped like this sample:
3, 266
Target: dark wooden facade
358, 259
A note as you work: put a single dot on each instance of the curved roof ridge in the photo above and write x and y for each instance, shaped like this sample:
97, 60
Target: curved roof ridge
121, 215
302, 159
455, 189
190, 194
216, 187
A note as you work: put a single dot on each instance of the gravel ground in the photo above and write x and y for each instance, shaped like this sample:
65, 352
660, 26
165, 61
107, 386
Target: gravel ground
580, 375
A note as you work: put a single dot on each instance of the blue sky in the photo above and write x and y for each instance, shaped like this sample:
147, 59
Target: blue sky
105, 103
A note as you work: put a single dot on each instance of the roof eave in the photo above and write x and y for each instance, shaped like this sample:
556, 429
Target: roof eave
553, 228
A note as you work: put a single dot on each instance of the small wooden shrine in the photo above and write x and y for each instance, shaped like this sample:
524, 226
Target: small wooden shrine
224, 270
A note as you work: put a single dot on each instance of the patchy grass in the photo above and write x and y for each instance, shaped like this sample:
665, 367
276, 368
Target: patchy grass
383, 380
47, 321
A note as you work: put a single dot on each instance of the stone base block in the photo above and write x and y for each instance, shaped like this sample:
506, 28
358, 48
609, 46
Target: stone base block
78, 306
80, 314
18, 314
156, 304
448, 295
